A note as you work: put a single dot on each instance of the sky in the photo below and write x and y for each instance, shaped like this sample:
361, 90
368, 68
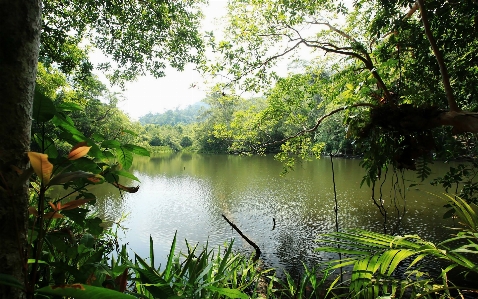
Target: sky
177, 89
156, 95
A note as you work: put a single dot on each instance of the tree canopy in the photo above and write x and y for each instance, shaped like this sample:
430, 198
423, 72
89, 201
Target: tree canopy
402, 71
138, 36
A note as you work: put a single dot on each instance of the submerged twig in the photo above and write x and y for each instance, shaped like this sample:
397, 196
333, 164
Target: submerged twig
258, 250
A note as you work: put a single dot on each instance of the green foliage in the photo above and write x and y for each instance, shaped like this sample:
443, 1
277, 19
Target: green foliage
197, 274
178, 116
377, 57
138, 37
82, 291
67, 243
376, 258
460, 180
168, 136
309, 285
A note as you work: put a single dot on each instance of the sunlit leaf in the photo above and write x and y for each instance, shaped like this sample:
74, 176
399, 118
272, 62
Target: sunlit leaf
230, 293
83, 291
42, 167
126, 174
125, 157
64, 122
32, 261
78, 151
68, 106
138, 150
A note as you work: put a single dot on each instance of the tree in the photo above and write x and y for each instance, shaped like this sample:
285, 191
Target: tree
213, 131
20, 37
401, 68
139, 37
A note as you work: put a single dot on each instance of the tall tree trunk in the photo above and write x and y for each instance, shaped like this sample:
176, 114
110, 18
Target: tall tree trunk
20, 26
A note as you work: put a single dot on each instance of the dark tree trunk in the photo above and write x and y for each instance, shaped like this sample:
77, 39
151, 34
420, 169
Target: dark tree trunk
19, 41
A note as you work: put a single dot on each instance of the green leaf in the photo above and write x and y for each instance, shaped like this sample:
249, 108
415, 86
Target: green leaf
77, 215
94, 226
126, 174
97, 137
131, 132
83, 291
32, 261
110, 144
138, 150
70, 176
43, 108
87, 165
10, 281
47, 145
151, 251
167, 274
231, 293
88, 240
68, 106
66, 124
125, 157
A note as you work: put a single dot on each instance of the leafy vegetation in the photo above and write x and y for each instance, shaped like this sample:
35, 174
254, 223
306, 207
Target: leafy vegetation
402, 73
375, 259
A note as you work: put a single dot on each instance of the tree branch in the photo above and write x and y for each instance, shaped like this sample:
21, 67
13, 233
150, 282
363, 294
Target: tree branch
366, 60
266, 61
258, 250
452, 105
335, 29
329, 47
412, 10
318, 122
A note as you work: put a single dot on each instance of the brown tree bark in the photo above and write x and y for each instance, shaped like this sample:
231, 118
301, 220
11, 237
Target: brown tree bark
20, 26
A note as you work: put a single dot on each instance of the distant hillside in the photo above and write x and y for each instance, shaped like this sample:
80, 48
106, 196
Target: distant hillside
173, 117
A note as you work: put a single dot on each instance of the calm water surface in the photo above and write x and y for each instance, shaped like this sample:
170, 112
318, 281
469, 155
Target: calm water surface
188, 193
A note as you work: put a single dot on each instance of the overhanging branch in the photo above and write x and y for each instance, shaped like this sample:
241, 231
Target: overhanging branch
318, 122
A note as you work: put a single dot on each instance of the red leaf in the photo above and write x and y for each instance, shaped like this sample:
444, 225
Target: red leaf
33, 211
53, 215
74, 204
127, 189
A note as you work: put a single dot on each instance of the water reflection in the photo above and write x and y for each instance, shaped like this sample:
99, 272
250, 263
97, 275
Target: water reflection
188, 193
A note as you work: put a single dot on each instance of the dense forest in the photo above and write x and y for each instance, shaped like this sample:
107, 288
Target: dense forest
393, 82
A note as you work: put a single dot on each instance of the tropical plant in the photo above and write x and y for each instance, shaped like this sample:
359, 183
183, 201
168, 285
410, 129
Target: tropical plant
199, 273
138, 36
67, 245
376, 260
311, 284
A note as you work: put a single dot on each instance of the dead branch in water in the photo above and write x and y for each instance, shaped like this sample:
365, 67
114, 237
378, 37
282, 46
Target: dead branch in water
258, 250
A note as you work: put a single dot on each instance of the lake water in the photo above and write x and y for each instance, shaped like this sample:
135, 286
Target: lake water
189, 193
